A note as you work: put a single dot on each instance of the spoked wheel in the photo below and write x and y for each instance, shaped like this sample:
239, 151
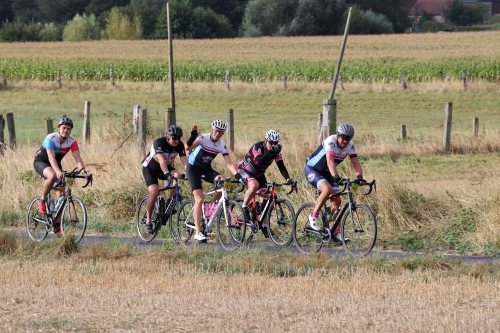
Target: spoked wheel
306, 239
252, 227
231, 226
173, 217
36, 223
140, 220
74, 219
185, 223
280, 222
359, 230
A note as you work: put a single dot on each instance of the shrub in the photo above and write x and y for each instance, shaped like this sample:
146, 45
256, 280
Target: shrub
82, 28
119, 26
20, 32
431, 26
50, 32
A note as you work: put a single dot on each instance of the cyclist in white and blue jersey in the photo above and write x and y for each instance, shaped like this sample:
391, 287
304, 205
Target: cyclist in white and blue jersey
204, 149
321, 170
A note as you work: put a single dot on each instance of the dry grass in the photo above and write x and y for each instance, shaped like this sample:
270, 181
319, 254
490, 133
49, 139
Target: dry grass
152, 293
418, 46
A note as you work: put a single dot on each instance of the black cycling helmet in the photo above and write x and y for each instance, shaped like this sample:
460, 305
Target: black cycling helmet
345, 130
65, 121
174, 130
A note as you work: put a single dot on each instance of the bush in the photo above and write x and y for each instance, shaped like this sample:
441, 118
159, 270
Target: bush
431, 26
20, 32
51, 32
82, 28
119, 26
364, 23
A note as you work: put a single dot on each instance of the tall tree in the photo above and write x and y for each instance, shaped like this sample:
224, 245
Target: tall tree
24, 10
460, 14
394, 10
96, 7
6, 13
232, 9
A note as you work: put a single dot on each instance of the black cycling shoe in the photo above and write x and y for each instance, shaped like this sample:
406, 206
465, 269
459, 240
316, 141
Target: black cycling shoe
149, 228
265, 231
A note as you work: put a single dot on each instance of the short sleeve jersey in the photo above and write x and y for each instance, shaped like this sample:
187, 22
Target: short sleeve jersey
203, 155
161, 146
249, 162
317, 160
51, 142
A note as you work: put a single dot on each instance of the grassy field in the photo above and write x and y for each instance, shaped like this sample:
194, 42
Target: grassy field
427, 200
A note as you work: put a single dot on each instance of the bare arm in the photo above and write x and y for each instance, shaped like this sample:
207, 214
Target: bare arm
184, 161
230, 164
330, 161
163, 162
357, 166
53, 163
79, 162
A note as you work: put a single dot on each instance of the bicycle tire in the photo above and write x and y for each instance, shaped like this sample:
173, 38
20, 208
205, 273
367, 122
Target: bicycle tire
360, 227
249, 235
140, 220
171, 221
36, 223
231, 234
306, 240
74, 218
280, 222
184, 218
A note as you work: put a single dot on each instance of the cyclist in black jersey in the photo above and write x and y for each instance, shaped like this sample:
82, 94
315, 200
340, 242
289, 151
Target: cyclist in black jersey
159, 164
204, 149
253, 166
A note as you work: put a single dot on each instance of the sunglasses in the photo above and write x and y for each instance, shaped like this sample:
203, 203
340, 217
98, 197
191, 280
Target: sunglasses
175, 138
273, 143
218, 131
346, 137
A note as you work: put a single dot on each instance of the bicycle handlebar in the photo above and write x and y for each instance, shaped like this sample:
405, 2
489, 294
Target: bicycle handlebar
76, 174
272, 184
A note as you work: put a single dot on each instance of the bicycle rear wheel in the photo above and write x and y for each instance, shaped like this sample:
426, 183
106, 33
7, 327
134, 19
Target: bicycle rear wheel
185, 222
74, 218
280, 222
172, 219
140, 220
306, 239
359, 230
36, 223
231, 226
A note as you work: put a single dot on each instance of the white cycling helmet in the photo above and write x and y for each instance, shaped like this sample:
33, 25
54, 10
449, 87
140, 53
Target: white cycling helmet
272, 135
219, 125
345, 130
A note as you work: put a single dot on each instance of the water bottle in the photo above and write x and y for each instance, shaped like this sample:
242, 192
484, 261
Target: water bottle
206, 208
59, 203
213, 208
52, 207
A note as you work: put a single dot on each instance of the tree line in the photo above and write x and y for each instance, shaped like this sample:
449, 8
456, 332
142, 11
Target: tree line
74, 20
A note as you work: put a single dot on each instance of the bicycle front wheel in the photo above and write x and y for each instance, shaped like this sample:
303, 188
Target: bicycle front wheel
280, 222
185, 222
36, 223
140, 220
231, 226
359, 230
306, 239
74, 218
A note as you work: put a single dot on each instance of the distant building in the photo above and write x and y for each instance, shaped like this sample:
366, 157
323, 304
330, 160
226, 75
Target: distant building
434, 8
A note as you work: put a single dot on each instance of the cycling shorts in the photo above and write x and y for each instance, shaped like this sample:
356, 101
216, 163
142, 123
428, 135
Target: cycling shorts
315, 178
42, 165
249, 176
194, 175
151, 176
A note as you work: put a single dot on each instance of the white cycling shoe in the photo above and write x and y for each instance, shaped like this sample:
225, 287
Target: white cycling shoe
313, 221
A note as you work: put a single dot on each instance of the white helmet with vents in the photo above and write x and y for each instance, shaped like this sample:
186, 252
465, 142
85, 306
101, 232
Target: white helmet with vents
272, 135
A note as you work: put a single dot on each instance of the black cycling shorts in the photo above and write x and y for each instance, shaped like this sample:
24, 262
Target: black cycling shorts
151, 176
194, 175
42, 165
247, 175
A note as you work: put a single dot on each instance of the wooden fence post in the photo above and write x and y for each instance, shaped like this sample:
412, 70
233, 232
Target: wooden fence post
447, 125
170, 119
403, 132
320, 128
329, 117
12, 130
340, 82
49, 126
230, 131
135, 114
142, 129
2, 140
111, 77
59, 78
284, 80
475, 126
464, 78
228, 79
403, 80
4, 79
86, 122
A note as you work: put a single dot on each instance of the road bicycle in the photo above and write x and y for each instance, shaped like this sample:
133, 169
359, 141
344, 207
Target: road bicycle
358, 224
277, 213
226, 214
163, 211
70, 211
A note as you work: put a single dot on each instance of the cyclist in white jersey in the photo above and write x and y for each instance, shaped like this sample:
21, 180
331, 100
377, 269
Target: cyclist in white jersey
321, 170
204, 149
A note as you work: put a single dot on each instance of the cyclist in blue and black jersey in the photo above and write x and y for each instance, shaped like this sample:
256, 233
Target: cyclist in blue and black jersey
48, 161
321, 170
159, 164
204, 149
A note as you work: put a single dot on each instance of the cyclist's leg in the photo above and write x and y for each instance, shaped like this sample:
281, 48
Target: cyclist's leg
151, 179
45, 170
194, 177
212, 176
322, 182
